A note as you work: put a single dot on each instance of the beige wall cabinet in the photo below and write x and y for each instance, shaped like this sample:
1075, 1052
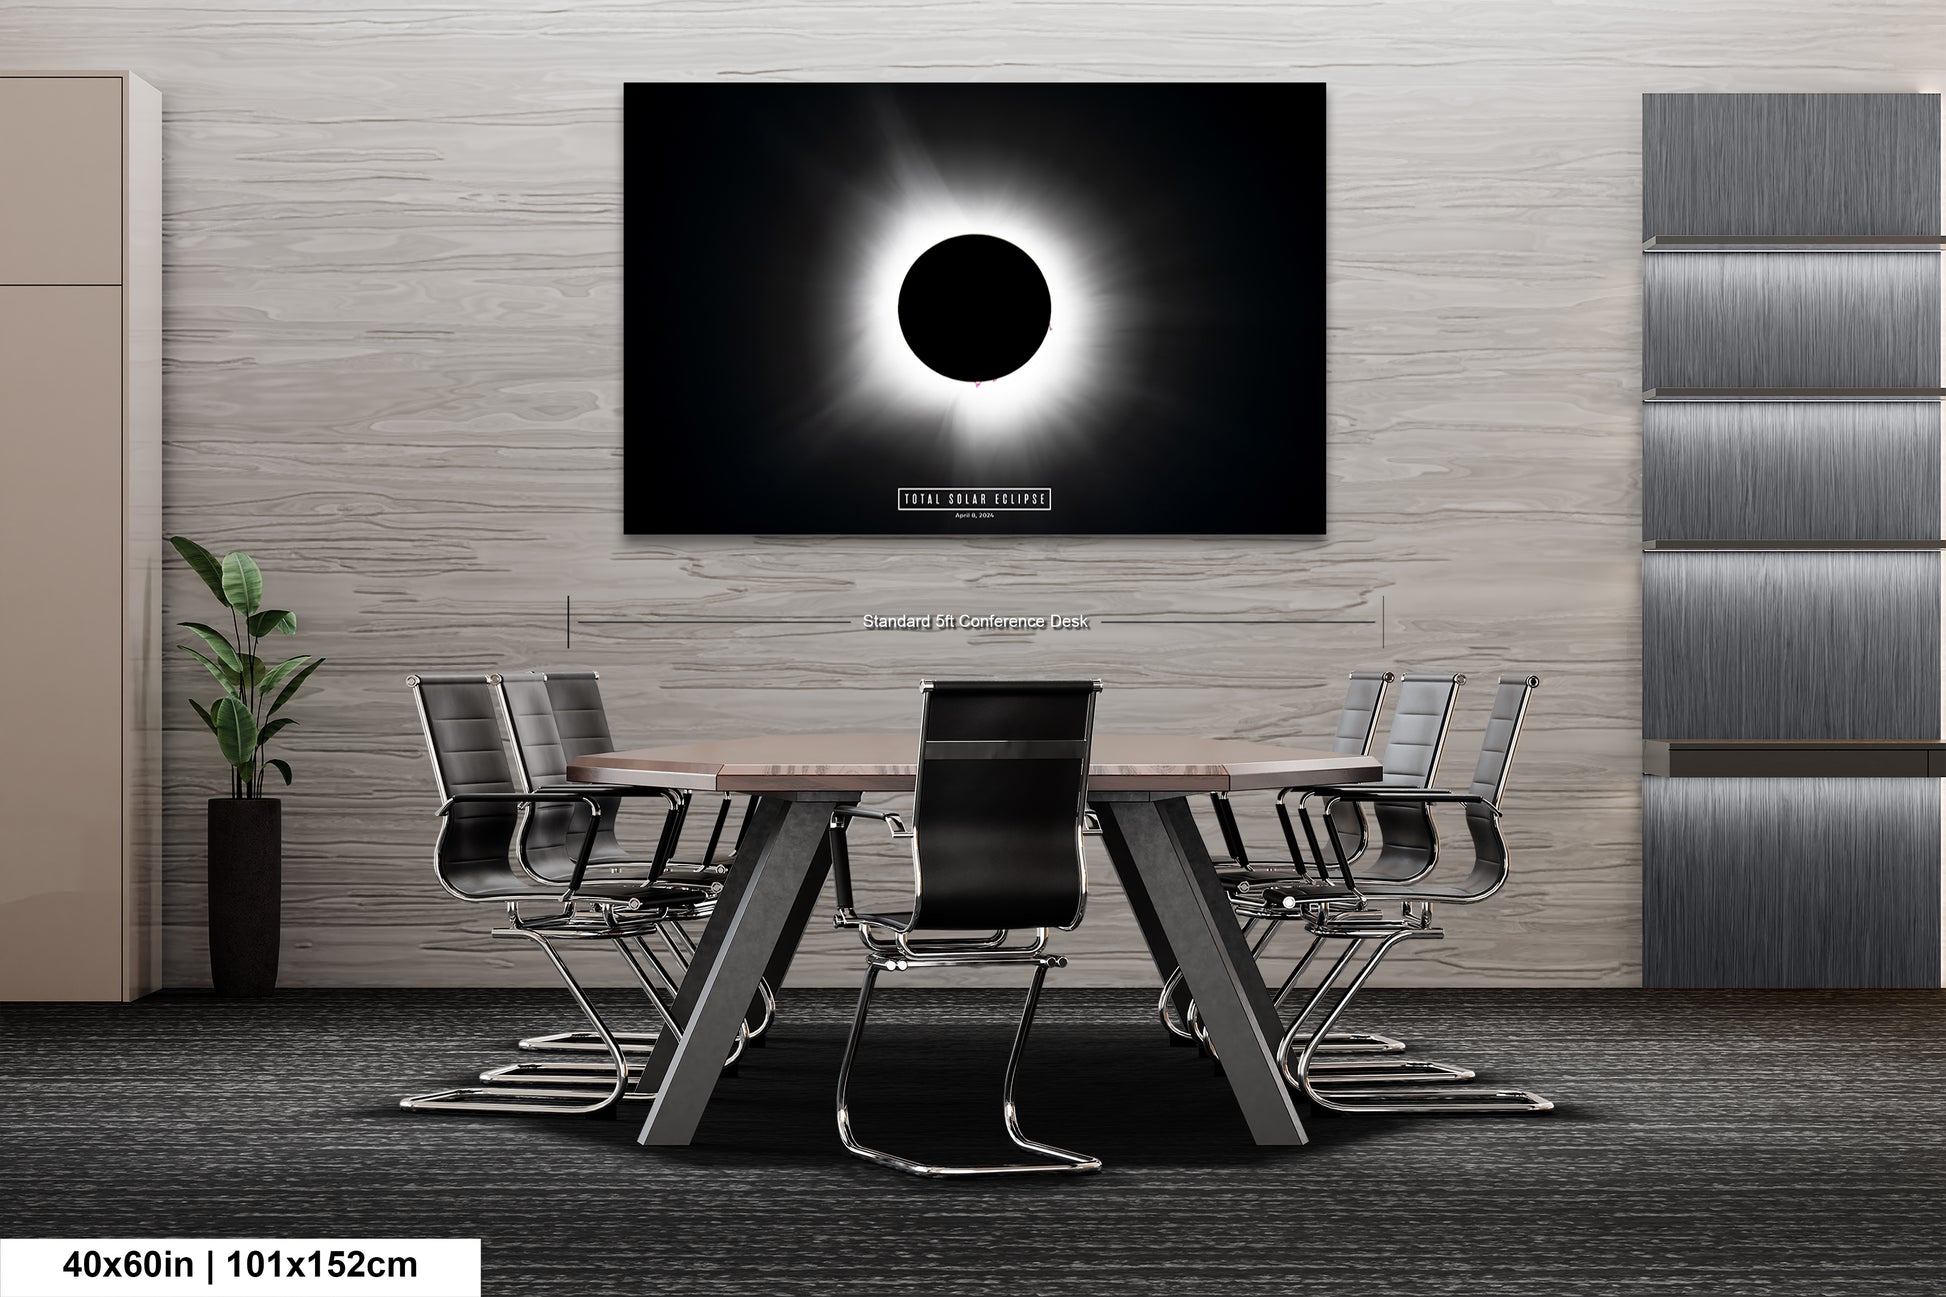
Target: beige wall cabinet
81, 531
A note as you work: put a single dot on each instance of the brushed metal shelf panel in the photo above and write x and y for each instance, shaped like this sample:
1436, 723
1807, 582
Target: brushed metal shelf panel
1749, 474
1793, 758
1788, 243
1793, 546
1794, 395
1838, 321
1790, 645
1790, 882
1833, 164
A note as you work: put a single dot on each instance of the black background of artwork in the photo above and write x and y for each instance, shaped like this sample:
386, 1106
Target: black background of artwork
743, 208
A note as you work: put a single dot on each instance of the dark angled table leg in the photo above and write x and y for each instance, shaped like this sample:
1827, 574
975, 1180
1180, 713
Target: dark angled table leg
1145, 917
776, 858
1157, 843
801, 912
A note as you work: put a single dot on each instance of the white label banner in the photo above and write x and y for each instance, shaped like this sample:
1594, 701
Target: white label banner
260, 1267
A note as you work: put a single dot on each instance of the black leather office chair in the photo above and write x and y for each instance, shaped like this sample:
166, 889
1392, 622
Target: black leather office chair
1357, 924
556, 717
475, 860
998, 815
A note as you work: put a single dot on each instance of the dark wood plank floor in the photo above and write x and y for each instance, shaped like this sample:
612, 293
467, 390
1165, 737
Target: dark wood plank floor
1719, 1143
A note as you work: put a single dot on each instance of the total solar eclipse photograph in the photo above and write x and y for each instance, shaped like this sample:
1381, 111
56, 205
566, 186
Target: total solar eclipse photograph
974, 309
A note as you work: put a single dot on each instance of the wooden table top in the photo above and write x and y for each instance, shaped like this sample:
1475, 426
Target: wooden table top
1154, 763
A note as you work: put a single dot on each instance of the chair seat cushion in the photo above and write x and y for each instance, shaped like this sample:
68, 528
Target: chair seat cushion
1307, 890
507, 888
1415, 892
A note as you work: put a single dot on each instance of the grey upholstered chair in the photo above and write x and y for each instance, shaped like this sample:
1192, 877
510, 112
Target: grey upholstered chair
1353, 920
998, 814
481, 813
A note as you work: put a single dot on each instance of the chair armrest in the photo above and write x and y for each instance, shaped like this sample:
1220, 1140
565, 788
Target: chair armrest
891, 819
552, 795
1421, 796
669, 795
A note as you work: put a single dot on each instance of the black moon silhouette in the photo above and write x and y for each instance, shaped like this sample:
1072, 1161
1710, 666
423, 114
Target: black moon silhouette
974, 308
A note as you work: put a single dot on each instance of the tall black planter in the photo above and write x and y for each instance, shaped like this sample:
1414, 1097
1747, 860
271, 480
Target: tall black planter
246, 884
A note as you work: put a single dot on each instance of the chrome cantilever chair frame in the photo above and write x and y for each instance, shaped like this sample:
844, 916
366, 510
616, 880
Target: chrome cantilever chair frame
1358, 926
1408, 837
476, 863
957, 902
531, 705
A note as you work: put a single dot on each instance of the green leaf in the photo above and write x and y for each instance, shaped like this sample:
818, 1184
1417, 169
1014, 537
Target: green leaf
273, 619
205, 564
291, 688
252, 670
224, 676
236, 731
269, 731
218, 642
270, 678
243, 584
203, 712
283, 768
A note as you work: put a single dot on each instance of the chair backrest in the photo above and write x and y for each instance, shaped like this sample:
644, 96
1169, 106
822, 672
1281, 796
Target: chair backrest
462, 731
997, 809
543, 708
1490, 857
1357, 725
579, 716
1502, 734
1358, 720
1419, 724
1413, 746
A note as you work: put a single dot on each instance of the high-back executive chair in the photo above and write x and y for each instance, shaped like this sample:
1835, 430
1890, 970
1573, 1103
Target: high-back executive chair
998, 814
1351, 920
556, 717
475, 860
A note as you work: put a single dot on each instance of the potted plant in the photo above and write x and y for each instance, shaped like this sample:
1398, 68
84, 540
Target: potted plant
246, 848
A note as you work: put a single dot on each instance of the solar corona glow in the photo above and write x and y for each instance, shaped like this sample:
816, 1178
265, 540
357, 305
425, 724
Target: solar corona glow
974, 309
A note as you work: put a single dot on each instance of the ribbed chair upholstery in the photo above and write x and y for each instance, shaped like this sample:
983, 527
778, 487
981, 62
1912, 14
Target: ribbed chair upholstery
475, 859
999, 810
1358, 925
1409, 840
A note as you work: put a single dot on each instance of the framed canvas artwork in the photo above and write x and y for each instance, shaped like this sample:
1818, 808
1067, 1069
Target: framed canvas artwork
974, 309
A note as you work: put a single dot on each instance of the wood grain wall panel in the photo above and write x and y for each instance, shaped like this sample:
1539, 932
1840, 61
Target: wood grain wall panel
1791, 882
1791, 645
1778, 471
1790, 164
393, 339
1741, 319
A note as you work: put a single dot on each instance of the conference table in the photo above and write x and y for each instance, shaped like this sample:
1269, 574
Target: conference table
1138, 784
